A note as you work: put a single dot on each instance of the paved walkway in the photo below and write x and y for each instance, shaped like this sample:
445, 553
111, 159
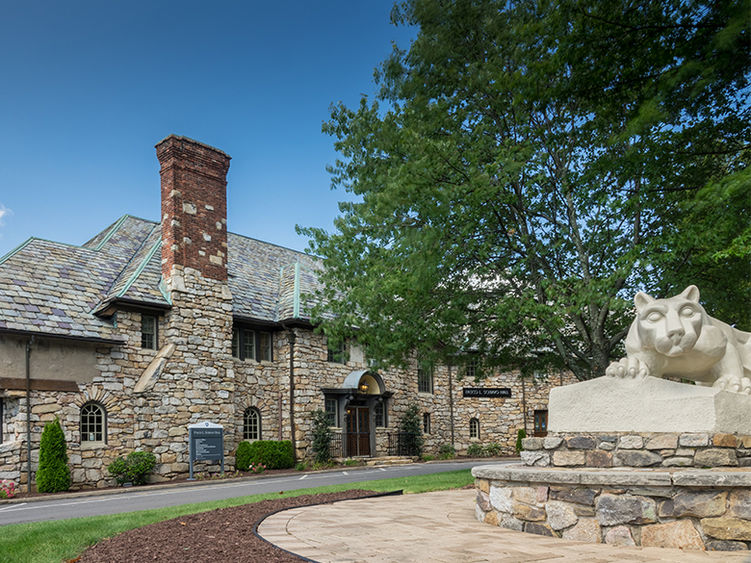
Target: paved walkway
438, 527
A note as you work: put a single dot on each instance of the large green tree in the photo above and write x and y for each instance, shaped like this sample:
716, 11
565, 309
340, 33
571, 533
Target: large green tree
528, 166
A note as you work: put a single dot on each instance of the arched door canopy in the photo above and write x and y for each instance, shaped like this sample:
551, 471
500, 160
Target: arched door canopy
364, 382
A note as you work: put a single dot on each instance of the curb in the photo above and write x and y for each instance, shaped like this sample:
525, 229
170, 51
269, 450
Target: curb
168, 485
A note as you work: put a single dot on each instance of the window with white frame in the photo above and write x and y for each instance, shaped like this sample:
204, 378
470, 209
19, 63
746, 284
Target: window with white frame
474, 428
93, 423
380, 414
251, 424
148, 332
332, 411
472, 367
249, 344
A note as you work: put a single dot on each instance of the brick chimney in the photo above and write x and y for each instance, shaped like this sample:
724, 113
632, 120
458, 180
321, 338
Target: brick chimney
194, 207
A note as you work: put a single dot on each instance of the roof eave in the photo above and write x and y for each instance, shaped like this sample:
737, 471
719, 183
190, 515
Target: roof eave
111, 306
54, 336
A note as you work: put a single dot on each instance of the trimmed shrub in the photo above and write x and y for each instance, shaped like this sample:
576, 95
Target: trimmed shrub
135, 468
273, 454
475, 450
447, 451
321, 437
53, 474
410, 432
242, 456
492, 449
520, 435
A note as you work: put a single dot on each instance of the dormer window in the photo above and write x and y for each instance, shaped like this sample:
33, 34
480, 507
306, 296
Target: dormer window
336, 352
148, 332
249, 344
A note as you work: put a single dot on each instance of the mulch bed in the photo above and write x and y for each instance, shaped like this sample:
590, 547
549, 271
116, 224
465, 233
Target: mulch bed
225, 534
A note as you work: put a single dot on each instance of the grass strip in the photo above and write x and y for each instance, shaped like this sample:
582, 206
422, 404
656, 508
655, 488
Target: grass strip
60, 540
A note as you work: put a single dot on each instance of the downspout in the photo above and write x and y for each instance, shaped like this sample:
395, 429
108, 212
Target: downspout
451, 404
524, 405
292, 337
292, 390
28, 413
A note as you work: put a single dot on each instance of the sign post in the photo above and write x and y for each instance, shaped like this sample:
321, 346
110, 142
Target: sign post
205, 442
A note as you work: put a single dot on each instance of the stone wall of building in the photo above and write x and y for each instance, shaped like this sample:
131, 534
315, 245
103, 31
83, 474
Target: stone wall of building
647, 449
260, 385
686, 509
501, 418
151, 396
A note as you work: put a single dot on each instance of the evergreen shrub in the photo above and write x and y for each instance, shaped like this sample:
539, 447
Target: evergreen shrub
274, 454
447, 451
475, 450
520, 435
135, 468
321, 437
242, 456
53, 474
410, 432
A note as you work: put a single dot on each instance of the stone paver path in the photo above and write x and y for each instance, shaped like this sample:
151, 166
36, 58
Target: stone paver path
438, 527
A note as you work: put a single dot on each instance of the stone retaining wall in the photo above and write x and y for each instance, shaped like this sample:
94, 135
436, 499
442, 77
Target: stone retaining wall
687, 509
615, 449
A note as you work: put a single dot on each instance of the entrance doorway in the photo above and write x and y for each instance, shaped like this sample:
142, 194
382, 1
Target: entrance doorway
358, 431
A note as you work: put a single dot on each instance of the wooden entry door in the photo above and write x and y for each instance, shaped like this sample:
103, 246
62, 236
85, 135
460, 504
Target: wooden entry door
358, 431
541, 423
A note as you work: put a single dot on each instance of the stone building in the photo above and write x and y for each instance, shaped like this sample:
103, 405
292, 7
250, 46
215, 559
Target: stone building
151, 326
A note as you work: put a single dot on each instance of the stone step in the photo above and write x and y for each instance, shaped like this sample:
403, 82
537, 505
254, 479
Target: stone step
389, 460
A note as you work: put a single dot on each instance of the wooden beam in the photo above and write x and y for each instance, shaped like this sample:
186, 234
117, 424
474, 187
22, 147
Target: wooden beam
38, 384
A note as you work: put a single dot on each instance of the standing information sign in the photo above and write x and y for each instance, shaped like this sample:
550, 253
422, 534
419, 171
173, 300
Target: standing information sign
205, 442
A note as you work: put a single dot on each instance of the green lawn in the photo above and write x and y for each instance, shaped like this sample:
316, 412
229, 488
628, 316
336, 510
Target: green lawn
66, 539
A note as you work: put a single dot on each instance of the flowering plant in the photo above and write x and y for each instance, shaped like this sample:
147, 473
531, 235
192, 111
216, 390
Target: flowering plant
257, 468
7, 489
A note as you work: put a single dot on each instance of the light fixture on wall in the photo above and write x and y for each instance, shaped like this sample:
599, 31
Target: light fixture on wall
363, 387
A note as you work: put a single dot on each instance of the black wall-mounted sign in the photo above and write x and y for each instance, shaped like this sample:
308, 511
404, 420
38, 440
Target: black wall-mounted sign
492, 392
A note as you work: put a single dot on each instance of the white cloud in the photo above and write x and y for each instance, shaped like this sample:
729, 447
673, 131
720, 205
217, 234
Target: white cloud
4, 212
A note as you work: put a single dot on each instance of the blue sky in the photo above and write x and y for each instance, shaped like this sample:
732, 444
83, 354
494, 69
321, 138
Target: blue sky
89, 87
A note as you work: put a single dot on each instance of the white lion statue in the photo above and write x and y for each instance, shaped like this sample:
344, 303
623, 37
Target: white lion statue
676, 337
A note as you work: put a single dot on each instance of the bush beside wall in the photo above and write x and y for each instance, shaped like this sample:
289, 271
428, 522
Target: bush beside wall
53, 474
271, 453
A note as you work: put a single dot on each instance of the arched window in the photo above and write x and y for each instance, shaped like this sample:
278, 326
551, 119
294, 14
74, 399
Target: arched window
474, 428
93, 423
252, 424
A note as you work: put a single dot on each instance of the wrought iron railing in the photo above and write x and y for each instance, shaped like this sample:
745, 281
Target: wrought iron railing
335, 446
403, 443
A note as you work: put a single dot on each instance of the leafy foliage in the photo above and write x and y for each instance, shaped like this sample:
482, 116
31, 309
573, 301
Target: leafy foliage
489, 450
520, 435
135, 468
243, 456
321, 437
410, 432
528, 167
274, 454
446, 451
53, 474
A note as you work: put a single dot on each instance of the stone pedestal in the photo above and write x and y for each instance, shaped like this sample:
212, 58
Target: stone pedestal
690, 509
610, 404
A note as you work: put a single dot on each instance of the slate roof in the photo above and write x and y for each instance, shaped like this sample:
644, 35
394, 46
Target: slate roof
58, 289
